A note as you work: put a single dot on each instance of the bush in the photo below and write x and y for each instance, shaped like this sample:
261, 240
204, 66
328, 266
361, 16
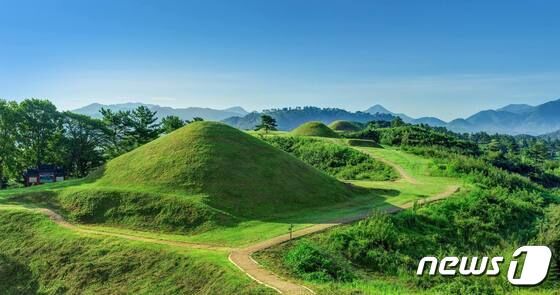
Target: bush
336, 160
312, 263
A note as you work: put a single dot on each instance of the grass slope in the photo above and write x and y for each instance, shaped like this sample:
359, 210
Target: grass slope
38, 257
231, 170
314, 129
201, 177
341, 125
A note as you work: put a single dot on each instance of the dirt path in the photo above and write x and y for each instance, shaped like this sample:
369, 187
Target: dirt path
60, 221
243, 260
400, 170
242, 257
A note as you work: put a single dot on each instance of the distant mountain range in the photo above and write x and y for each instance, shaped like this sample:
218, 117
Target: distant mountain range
512, 119
183, 113
432, 121
290, 118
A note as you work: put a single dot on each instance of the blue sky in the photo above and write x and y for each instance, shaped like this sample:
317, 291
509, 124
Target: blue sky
443, 58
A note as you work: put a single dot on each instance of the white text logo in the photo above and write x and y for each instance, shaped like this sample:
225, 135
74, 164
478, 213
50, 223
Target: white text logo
532, 272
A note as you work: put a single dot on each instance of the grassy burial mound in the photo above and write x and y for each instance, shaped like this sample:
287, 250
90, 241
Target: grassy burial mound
204, 169
341, 125
314, 129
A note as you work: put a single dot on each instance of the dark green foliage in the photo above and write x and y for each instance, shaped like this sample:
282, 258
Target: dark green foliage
503, 210
144, 126
312, 263
412, 135
118, 125
267, 124
8, 142
336, 160
366, 134
362, 143
82, 143
345, 126
171, 123
39, 125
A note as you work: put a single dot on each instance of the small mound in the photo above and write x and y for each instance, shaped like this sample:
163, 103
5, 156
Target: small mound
341, 125
225, 169
314, 129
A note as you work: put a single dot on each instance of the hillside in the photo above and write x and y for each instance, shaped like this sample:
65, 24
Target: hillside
228, 169
92, 110
290, 118
314, 129
341, 125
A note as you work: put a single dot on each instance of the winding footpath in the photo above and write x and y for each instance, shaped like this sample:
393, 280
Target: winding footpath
242, 257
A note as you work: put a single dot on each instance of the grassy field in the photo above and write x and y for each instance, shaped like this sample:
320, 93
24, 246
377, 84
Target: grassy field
247, 231
38, 256
418, 168
135, 200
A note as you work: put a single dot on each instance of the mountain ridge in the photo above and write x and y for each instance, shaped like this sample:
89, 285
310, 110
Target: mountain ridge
513, 119
188, 113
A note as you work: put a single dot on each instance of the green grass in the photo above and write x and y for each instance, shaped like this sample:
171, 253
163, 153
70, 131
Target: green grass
38, 256
314, 129
146, 206
203, 176
338, 160
237, 172
151, 213
250, 231
341, 125
418, 167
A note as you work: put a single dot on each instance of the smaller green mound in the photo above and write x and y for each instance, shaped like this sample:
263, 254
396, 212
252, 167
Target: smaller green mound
314, 129
341, 125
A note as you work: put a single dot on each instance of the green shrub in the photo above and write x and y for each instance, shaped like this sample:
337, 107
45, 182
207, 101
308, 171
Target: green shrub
314, 264
336, 160
362, 142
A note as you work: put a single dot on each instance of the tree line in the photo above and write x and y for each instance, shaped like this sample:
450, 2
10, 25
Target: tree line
34, 132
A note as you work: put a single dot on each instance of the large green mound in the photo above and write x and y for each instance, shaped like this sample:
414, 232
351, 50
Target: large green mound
341, 125
314, 129
226, 169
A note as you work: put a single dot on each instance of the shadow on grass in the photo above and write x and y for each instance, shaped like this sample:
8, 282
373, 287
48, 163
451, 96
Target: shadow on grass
117, 207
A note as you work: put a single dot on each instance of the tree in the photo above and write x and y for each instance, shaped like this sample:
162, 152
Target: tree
171, 123
537, 153
267, 124
197, 119
83, 140
8, 147
397, 122
119, 126
38, 126
145, 128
